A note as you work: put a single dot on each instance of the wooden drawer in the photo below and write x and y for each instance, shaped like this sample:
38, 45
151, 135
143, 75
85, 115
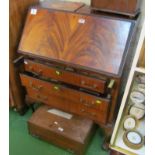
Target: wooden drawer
49, 88
95, 108
69, 106
66, 76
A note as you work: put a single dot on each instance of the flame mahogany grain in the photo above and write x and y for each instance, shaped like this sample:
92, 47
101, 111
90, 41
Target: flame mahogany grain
97, 44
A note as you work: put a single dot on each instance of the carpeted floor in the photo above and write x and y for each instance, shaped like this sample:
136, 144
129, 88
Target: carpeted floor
21, 143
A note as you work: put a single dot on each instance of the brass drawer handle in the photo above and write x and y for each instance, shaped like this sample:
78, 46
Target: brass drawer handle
58, 72
90, 104
56, 87
88, 86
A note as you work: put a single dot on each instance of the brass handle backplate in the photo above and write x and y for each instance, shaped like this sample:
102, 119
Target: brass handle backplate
90, 104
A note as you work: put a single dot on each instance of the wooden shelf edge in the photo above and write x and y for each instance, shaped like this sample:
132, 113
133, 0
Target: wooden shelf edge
140, 70
118, 149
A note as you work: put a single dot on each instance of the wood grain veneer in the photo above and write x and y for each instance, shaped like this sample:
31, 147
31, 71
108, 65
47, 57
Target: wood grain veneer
99, 44
69, 77
91, 106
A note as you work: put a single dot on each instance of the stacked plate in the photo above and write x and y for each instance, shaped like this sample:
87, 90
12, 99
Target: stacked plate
135, 115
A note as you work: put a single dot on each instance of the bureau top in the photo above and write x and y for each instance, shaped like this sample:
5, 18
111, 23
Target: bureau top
92, 42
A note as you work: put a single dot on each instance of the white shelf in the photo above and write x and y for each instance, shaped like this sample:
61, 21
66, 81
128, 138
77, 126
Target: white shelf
116, 142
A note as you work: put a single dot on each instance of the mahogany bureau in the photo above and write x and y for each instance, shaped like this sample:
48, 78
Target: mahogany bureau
74, 61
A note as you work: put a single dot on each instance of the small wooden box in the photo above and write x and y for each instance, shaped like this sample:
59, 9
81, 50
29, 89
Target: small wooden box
61, 5
125, 7
70, 132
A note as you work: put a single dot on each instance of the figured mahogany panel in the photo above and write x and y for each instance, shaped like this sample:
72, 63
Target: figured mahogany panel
65, 76
93, 42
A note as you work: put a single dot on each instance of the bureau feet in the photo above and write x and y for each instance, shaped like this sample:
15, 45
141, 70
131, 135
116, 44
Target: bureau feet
30, 103
112, 152
106, 142
107, 132
22, 110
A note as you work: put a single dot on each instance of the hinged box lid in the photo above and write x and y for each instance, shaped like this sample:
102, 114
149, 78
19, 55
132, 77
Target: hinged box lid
67, 125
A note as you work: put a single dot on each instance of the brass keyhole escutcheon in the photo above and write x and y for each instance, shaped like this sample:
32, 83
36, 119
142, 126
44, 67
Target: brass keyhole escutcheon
58, 72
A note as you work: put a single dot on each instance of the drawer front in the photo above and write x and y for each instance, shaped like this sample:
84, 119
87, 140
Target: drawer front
89, 101
66, 76
69, 106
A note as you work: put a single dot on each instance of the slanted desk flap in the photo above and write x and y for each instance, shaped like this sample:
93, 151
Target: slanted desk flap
94, 42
